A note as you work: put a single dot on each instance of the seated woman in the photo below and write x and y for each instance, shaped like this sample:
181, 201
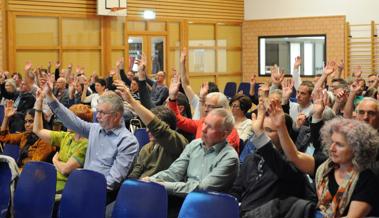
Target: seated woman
345, 184
72, 146
32, 148
239, 105
100, 87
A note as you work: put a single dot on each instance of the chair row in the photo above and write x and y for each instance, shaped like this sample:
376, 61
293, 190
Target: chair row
231, 88
85, 195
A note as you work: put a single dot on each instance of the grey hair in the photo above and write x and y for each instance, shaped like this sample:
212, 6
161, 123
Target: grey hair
228, 119
362, 138
222, 100
113, 99
373, 100
276, 91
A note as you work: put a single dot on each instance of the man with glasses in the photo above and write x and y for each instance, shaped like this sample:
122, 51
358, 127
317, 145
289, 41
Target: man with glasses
214, 100
111, 147
368, 111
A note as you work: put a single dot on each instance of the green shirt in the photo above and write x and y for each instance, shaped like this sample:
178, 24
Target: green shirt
68, 148
159, 154
198, 168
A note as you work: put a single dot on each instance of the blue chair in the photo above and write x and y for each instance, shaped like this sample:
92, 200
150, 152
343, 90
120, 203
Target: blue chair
230, 89
140, 199
12, 151
209, 204
5, 194
142, 137
35, 191
244, 87
84, 195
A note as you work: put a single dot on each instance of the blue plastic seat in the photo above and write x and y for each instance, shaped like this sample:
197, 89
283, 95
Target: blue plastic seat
5, 194
12, 151
230, 89
35, 191
244, 87
84, 195
209, 204
142, 137
140, 199
1, 113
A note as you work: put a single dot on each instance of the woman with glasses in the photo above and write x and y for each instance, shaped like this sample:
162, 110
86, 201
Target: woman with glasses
239, 105
32, 148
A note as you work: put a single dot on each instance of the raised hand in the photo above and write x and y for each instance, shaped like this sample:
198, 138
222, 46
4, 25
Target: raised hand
120, 63
300, 120
320, 100
204, 89
57, 65
257, 121
276, 114
183, 55
277, 75
357, 71
287, 86
9, 110
329, 68
341, 66
297, 63
142, 63
263, 90
123, 91
39, 95
355, 87
174, 86
28, 66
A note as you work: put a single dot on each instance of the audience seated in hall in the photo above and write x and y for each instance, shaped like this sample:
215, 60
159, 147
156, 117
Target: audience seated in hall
111, 147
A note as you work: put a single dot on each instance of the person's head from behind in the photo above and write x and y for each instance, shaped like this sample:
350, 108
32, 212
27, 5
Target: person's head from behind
368, 111
350, 143
304, 92
218, 124
215, 100
212, 87
10, 85
100, 86
109, 110
82, 111
240, 104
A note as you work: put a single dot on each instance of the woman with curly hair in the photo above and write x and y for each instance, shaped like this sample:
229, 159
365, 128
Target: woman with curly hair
345, 184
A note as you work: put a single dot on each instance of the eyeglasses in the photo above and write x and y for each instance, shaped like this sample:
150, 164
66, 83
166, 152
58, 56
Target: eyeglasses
369, 113
102, 113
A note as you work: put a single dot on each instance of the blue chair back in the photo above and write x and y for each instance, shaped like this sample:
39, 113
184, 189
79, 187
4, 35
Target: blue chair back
140, 199
84, 195
244, 87
12, 151
142, 137
209, 204
5, 194
230, 89
35, 191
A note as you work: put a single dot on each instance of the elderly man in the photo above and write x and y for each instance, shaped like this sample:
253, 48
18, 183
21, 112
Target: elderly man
206, 164
111, 147
368, 111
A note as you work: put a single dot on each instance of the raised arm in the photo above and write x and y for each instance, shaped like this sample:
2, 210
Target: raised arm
184, 76
329, 69
9, 111
349, 106
296, 72
302, 161
38, 129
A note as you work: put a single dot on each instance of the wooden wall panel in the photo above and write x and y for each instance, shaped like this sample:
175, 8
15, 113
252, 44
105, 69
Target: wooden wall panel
2, 36
223, 10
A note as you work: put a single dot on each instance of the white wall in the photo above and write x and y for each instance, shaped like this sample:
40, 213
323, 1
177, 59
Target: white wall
356, 11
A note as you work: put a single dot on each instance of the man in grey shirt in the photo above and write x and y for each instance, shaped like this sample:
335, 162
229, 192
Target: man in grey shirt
111, 147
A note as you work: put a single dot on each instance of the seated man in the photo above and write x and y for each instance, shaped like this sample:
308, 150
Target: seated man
111, 147
165, 144
206, 164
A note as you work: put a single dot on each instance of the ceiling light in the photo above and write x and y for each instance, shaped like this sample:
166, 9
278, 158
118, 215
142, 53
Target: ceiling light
149, 15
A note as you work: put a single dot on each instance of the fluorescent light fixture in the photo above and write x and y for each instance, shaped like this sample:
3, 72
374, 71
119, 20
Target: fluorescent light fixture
130, 40
149, 15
